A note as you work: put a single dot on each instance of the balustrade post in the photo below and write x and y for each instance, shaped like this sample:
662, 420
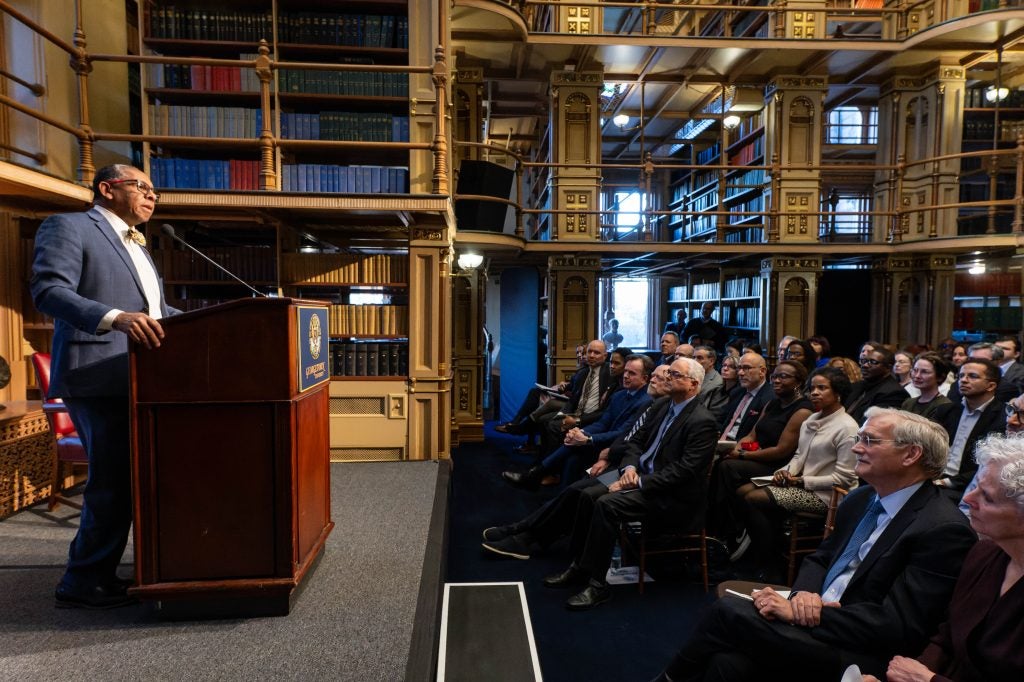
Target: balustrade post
993, 193
82, 67
519, 198
646, 229
1018, 192
898, 213
264, 71
439, 147
773, 209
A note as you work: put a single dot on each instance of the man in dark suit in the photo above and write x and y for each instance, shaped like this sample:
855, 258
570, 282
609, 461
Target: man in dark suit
1006, 390
878, 388
1013, 371
662, 476
980, 414
93, 275
878, 586
592, 387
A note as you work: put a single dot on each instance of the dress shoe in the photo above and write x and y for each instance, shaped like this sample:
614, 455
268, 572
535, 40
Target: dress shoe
551, 479
517, 428
525, 449
574, 575
741, 547
528, 479
99, 597
496, 533
504, 428
516, 547
595, 593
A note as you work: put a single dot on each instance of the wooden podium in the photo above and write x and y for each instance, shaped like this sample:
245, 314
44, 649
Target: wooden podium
230, 457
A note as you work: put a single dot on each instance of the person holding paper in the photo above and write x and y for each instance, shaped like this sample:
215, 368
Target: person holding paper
983, 639
876, 587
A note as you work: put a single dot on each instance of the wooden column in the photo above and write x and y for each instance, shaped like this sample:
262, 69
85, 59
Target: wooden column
789, 298
576, 141
912, 297
572, 310
468, 289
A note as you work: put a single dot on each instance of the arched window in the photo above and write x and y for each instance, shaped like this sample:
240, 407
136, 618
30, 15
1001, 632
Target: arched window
852, 125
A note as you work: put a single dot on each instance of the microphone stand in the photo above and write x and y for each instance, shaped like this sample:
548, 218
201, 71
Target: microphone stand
169, 231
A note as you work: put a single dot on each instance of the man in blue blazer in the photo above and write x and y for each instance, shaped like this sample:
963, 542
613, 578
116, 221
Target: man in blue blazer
878, 586
94, 277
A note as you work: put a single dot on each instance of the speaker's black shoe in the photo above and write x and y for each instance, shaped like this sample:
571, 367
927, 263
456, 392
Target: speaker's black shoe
595, 593
100, 597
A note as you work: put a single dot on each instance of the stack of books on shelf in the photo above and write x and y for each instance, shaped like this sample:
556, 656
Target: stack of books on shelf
369, 358
753, 205
744, 316
315, 177
344, 268
344, 125
987, 318
198, 121
748, 235
748, 180
250, 263
743, 287
989, 284
352, 83
708, 155
174, 173
204, 78
748, 153
355, 30
706, 291
180, 23
369, 320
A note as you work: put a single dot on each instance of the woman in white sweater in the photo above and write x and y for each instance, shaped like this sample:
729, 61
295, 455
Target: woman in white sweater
824, 457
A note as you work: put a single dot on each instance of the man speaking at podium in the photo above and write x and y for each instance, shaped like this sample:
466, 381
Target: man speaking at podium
94, 277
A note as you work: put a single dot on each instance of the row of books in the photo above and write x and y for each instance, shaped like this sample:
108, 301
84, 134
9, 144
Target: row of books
174, 173
745, 316
755, 204
708, 155
251, 263
739, 287
748, 125
984, 128
345, 125
205, 78
700, 225
749, 235
705, 178
708, 201
369, 320
977, 98
751, 179
315, 177
356, 30
344, 268
197, 121
746, 154
369, 358
706, 291
989, 284
355, 83
987, 318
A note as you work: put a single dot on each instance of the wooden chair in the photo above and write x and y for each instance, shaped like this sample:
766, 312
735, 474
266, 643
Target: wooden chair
68, 447
650, 539
807, 530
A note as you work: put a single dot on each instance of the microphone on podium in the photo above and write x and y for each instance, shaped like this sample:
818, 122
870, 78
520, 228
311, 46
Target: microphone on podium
169, 231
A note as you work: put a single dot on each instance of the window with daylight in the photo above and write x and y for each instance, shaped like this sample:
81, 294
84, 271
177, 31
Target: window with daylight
625, 213
853, 214
630, 306
852, 125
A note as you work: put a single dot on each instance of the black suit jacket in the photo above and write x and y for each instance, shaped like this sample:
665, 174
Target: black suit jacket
898, 596
682, 458
885, 393
992, 420
1006, 390
761, 398
1014, 376
607, 385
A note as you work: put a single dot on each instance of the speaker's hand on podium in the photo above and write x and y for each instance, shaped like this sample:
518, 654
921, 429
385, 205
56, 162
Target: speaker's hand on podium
140, 328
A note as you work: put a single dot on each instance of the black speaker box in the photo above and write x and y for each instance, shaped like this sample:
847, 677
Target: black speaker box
485, 179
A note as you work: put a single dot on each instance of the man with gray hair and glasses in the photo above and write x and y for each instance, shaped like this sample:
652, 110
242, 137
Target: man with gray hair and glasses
876, 587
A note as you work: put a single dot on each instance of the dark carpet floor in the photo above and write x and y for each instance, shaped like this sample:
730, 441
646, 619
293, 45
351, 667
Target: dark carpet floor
629, 638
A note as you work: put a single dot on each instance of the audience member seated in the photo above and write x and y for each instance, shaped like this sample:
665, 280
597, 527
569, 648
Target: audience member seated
780, 350
877, 587
902, 363
661, 477
1012, 369
822, 347
753, 347
929, 370
730, 374
592, 387
979, 415
824, 458
803, 353
1014, 427
982, 639
878, 388
710, 330
850, 368
678, 324
581, 445
734, 347
1005, 390
683, 350
746, 400
669, 343
712, 391
769, 445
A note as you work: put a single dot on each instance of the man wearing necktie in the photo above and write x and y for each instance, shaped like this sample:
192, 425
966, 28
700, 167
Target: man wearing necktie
94, 277
662, 476
877, 587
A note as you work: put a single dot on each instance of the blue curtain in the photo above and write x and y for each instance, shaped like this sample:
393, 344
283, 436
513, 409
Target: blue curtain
520, 298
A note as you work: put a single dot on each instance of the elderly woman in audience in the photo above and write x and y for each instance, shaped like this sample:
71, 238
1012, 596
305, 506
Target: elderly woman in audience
730, 373
928, 372
769, 445
848, 366
824, 458
983, 637
803, 352
902, 363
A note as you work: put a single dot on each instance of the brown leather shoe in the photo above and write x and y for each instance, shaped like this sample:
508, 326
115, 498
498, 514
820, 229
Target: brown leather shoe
551, 479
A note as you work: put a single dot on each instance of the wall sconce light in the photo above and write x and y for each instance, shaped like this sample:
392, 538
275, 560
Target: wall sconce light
977, 268
621, 120
994, 94
731, 122
470, 261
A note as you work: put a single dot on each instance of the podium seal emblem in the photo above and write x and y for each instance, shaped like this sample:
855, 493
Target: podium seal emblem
315, 337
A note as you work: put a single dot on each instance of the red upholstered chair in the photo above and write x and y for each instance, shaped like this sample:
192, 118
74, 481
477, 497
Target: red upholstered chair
68, 447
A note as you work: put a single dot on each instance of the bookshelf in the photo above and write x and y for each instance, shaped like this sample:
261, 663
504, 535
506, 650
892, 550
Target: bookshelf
744, 186
704, 194
736, 293
985, 306
211, 116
